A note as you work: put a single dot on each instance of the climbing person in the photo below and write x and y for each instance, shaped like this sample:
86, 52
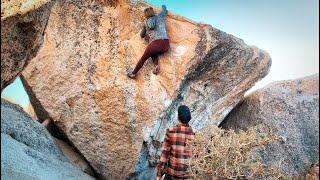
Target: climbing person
176, 148
155, 31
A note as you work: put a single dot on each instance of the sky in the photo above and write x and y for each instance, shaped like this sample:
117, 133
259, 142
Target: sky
16, 92
287, 29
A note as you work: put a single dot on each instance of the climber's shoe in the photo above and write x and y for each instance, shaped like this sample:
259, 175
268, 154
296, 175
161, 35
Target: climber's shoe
130, 74
156, 70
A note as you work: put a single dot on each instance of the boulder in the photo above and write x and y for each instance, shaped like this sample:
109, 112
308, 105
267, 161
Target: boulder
20, 126
74, 157
9, 99
78, 79
22, 27
28, 150
291, 110
28, 108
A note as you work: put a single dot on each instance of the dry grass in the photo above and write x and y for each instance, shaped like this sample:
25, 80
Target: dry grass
222, 154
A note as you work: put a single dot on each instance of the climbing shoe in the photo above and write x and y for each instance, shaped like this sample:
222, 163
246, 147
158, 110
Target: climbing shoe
130, 74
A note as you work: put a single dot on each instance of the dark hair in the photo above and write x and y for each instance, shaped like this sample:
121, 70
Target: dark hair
148, 12
184, 114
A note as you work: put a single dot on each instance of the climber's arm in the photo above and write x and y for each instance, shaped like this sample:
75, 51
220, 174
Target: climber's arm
164, 155
143, 32
163, 12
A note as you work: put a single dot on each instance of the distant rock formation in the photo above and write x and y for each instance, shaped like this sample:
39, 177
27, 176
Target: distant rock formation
28, 150
10, 99
75, 158
29, 110
22, 27
291, 109
78, 79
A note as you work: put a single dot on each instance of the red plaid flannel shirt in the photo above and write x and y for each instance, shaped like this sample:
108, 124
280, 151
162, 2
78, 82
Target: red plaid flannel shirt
175, 152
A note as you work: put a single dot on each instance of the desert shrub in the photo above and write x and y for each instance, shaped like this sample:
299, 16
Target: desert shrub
225, 154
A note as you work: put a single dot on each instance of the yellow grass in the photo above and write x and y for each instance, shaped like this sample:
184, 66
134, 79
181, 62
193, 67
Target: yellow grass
224, 154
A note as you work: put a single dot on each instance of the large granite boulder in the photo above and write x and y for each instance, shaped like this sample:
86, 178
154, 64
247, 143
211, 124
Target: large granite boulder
291, 110
74, 157
22, 27
28, 150
78, 80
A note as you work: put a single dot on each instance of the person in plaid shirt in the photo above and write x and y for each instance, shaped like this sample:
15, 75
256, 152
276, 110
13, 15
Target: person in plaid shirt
175, 148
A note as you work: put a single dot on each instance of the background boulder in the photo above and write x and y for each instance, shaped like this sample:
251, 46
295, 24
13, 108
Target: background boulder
291, 109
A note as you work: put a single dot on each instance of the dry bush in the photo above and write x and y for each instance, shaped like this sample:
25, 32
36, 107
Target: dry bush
224, 154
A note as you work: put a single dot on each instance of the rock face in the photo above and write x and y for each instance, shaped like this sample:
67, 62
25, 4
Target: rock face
22, 27
79, 80
28, 150
291, 108
75, 158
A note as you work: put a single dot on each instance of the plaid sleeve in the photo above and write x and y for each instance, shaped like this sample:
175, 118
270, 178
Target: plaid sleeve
164, 155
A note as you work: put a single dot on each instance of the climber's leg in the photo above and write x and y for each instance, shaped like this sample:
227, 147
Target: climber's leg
142, 60
155, 60
164, 46
153, 49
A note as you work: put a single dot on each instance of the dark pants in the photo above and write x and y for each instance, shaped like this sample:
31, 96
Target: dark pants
167, 177
154, 49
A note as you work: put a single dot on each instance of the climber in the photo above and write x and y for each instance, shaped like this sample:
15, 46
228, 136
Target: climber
155, 31
176, 148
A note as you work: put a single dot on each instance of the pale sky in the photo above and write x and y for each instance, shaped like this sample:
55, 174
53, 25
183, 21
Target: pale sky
287, 29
